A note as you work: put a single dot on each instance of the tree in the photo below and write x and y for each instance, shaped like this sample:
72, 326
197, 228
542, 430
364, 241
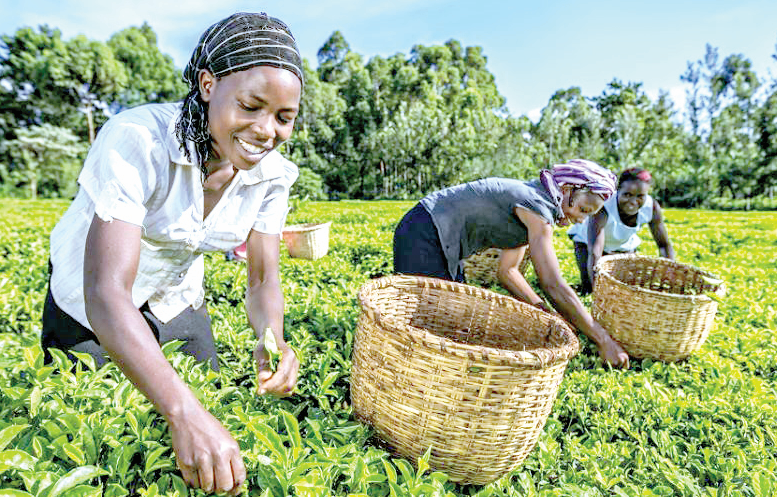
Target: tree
46, 156
48, 80
94, 77
154, 76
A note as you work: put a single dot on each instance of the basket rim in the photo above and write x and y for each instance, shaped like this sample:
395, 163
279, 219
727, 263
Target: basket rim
542, 357
306, 227
720, 292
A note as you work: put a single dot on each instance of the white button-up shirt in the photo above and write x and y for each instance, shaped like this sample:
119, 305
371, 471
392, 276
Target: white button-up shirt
136, 172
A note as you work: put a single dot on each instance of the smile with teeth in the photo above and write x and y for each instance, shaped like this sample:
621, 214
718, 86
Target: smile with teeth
251, 148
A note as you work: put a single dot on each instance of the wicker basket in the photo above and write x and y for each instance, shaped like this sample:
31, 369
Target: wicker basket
481, 267
466, 371
307, 241
655, 307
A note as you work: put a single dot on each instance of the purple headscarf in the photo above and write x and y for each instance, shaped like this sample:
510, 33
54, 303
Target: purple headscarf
579, 173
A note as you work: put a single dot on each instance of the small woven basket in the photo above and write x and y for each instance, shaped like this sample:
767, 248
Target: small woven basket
481, 267
307, 241
655, 307
471, 373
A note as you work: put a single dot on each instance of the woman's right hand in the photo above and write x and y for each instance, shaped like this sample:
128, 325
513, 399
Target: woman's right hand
207, 455
613, 354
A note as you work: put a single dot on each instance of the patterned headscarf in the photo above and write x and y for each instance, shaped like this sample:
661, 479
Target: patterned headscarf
580, 174
239, 42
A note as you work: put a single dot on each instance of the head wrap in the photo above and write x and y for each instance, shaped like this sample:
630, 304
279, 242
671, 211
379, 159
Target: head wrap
634, 173
237, 43
580, 174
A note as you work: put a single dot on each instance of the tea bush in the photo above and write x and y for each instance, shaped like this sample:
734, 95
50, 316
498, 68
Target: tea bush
706, 426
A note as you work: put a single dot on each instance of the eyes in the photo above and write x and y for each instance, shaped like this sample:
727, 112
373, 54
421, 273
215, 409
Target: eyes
283, 116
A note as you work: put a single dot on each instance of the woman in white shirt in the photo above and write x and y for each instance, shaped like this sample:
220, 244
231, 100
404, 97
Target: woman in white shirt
614, 228
162, 184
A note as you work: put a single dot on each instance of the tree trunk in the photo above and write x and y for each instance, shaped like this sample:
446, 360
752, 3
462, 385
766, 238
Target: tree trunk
90, 123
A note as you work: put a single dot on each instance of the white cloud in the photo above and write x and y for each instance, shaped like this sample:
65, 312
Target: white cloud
535, 114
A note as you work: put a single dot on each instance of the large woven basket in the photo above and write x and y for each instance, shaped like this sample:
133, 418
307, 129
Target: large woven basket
307, 241
655, 307
468, 372
481, 267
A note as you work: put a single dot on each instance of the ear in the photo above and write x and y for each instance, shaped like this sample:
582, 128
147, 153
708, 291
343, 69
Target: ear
206, 81
566, 191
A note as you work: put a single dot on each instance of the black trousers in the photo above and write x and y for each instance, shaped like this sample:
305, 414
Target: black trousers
417, 247
192, 326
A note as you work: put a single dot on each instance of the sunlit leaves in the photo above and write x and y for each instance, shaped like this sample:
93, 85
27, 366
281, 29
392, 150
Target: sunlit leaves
706, 426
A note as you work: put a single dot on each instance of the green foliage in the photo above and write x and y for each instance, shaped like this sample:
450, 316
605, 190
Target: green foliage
47, 159
154, 76
702, 427
402, 126
308, 186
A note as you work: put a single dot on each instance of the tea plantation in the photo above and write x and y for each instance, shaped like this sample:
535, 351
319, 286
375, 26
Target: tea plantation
705, 426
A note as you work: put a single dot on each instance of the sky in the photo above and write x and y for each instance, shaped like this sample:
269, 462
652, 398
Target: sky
533, 48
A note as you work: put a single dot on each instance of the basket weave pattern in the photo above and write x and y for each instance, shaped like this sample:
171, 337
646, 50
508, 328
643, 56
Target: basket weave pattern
307, 241
654, 307
467, 371
481, 267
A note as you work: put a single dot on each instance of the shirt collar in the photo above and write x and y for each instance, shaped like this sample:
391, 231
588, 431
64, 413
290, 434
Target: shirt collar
270, 167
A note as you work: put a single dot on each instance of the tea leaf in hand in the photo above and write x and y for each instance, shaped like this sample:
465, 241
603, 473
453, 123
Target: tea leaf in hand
271, 347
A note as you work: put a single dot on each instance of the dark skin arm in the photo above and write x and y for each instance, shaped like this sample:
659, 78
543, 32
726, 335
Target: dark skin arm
513, 281
660, 233
595, 236
565, 300
264, 306
207, 455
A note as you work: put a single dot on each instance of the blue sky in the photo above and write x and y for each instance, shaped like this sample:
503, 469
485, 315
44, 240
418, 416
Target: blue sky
533, 48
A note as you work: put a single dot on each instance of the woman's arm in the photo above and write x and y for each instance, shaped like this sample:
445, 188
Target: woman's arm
564, 299
264, 306
207, 455
511, 278
660, 233
595, 235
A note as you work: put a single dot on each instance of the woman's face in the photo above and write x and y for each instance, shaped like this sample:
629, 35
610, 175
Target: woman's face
578, 205
250, 112
632, 196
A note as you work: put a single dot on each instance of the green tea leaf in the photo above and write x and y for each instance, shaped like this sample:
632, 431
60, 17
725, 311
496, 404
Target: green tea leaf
9, 433
154, 460
116, 490
271, 347
10, 492
35, 398
74, 453
292, 428
16, 459
73, 478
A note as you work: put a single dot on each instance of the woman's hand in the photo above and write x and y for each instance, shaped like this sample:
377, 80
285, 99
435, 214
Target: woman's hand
613, 354
282, 381
207, 455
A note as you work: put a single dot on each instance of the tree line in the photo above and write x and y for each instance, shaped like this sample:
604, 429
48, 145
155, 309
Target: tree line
401, 126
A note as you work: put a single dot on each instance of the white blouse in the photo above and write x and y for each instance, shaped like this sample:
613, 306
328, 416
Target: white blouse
618, 237
136, 172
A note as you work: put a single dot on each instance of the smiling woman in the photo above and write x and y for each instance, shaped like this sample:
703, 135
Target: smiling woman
162, 184
614, 228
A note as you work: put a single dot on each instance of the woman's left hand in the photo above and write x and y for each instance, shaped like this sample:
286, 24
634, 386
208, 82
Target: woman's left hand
281, 382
